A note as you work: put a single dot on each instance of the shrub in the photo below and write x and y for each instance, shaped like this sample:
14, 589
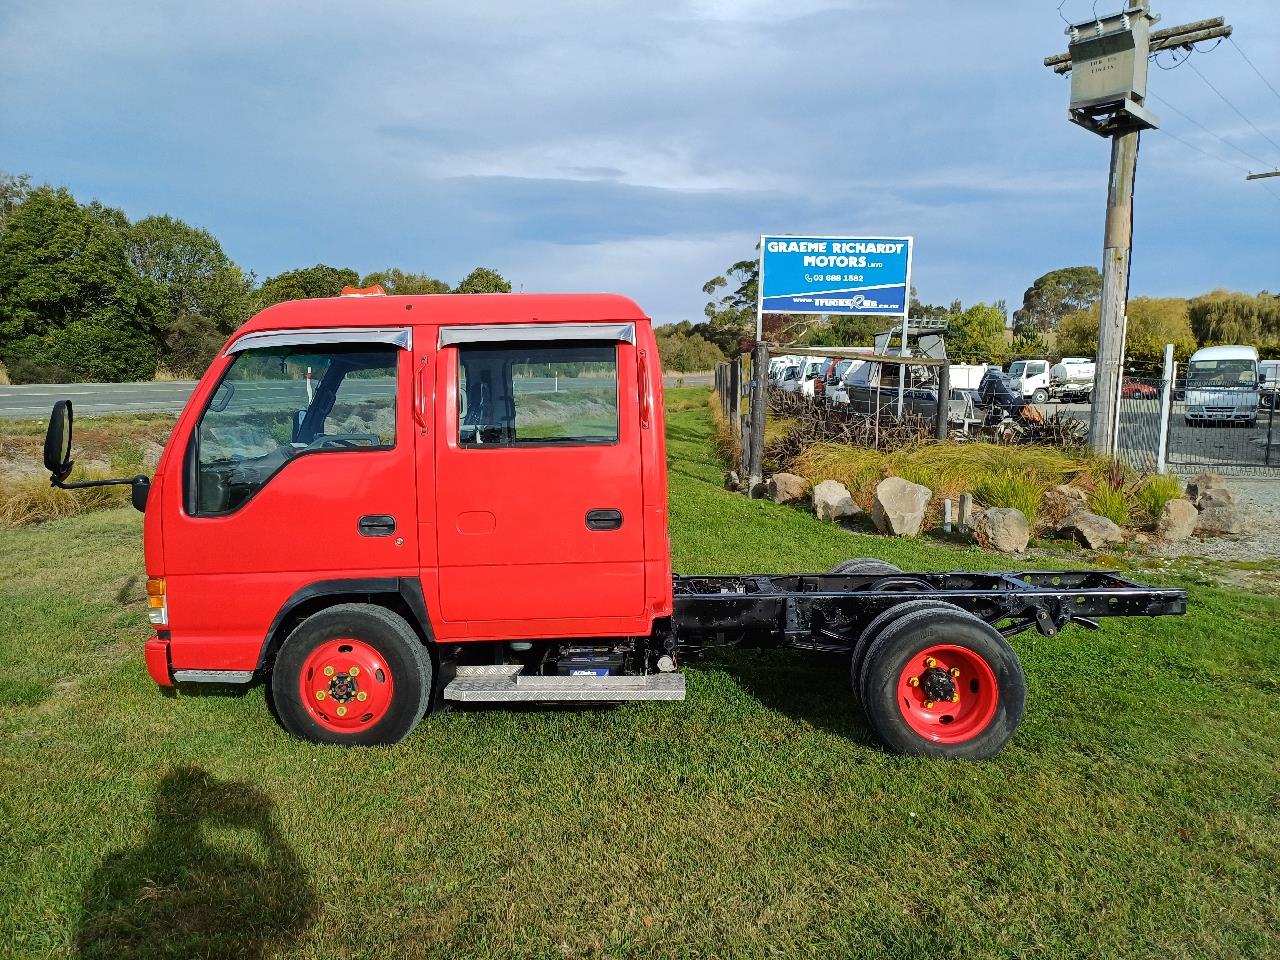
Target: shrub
34, 501
1154, 492
1111, 502
1011, 488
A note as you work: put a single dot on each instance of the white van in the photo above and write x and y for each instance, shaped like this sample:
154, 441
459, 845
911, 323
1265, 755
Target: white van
1223, 384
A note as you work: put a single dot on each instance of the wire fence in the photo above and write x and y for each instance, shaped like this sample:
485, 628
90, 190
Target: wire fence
1160, 424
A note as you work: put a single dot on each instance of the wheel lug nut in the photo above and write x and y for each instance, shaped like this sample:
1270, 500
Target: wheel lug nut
928, 704
362, 696
353, 672
914, 681
319, 694
955, 698
342, 711
955, 672
930, 662
328, 671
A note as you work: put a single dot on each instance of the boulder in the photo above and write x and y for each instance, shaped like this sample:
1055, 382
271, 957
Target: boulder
1219, 517
1093, 531
786, 488
1004, 529
1061, 501
832, 501
1177, 521
1215, 497
899, 505
1203, 482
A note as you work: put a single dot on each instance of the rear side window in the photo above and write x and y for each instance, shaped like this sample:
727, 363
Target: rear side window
537, 394
278, 403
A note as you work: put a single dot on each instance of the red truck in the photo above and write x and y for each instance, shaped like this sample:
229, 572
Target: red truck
380, 505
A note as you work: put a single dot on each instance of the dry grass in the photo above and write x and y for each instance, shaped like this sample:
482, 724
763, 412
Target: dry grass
24, 502
4, 376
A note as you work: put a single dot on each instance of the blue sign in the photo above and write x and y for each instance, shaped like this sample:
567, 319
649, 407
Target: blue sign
852, 275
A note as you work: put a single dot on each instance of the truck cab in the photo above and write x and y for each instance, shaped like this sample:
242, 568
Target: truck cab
491, 467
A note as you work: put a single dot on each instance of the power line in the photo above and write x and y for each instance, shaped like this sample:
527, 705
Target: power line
1256, 70
1220, 138
1230, 104
1213, 156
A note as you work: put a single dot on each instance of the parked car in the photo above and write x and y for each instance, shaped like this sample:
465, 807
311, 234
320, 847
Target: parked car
835, 382
1132, 389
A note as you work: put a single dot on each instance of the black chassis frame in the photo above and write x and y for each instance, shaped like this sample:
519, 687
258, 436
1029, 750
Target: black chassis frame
830, 611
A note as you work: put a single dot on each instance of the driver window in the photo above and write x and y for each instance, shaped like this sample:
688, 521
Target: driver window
278, 403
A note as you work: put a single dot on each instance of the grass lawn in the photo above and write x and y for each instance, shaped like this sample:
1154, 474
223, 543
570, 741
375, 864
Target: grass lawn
1137, 812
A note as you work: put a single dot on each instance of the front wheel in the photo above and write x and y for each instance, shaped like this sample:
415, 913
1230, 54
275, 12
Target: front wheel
938, 683
1040, 396
355, 674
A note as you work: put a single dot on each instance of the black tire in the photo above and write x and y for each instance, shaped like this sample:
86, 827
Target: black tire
909, 637
395, 642
864, 567
872, 630
1040, 396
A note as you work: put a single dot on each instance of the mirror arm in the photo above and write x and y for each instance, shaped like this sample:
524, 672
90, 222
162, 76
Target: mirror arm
81, 484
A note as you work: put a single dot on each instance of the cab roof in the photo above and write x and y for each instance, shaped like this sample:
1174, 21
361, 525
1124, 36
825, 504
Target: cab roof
1233, 352
452, 309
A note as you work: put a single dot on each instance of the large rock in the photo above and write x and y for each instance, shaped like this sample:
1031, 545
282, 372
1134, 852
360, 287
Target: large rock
832, 501
1177, 520
899, 505
1203, 482
1004, 529
1060, 502
786, 488
1093, 531
1215, 497
1219, 516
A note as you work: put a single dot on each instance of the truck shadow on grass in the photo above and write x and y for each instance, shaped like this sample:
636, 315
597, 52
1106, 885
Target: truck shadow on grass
808, 688
214, 877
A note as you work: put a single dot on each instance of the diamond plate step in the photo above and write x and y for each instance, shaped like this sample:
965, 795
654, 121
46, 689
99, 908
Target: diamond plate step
502, 685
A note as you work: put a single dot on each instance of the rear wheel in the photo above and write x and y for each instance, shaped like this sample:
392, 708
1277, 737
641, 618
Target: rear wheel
864, 567
942, 683
355, 674
877, 626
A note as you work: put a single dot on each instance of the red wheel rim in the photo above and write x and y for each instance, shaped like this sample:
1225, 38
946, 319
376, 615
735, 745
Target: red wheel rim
948, 694
346, 685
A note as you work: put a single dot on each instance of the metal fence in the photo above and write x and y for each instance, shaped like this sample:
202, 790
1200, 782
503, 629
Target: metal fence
1246, 444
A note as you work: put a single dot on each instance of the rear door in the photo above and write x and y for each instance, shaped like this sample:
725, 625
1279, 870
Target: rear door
538, 481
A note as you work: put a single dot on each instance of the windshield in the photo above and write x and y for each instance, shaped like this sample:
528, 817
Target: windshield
1222, 373
1016, 368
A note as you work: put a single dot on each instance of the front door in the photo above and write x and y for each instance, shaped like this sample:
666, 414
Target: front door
299, 469
538, 482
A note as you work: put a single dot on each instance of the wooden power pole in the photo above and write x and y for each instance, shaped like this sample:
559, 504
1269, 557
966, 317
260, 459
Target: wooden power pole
1107, 59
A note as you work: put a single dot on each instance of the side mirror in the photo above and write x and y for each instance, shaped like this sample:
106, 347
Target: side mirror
57, 442
298, 417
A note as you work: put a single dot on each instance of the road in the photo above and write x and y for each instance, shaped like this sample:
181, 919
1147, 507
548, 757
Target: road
33, 401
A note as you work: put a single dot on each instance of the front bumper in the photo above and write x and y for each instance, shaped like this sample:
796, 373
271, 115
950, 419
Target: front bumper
156, 653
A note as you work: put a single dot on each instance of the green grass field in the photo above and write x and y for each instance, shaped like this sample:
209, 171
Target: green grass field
1136, 814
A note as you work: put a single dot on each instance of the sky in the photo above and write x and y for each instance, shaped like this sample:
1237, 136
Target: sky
641, 148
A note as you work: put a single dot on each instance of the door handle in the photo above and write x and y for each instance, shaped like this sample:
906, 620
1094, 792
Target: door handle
607, 519
376, 525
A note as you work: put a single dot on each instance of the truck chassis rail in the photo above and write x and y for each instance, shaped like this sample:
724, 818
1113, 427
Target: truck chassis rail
829, 611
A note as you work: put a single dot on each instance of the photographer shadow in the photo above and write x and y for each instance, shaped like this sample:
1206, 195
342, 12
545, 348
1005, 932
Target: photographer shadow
213, 877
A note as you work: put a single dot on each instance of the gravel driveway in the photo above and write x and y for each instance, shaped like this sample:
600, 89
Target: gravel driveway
1260, 502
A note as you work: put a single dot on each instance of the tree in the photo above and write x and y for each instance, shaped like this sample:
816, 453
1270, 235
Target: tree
398, 283
848, 331
682, 351
13, 190
305, 284
203, 295
71, 305
1055, 295
1153, 322
483, 280
1227, 317
976, 335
